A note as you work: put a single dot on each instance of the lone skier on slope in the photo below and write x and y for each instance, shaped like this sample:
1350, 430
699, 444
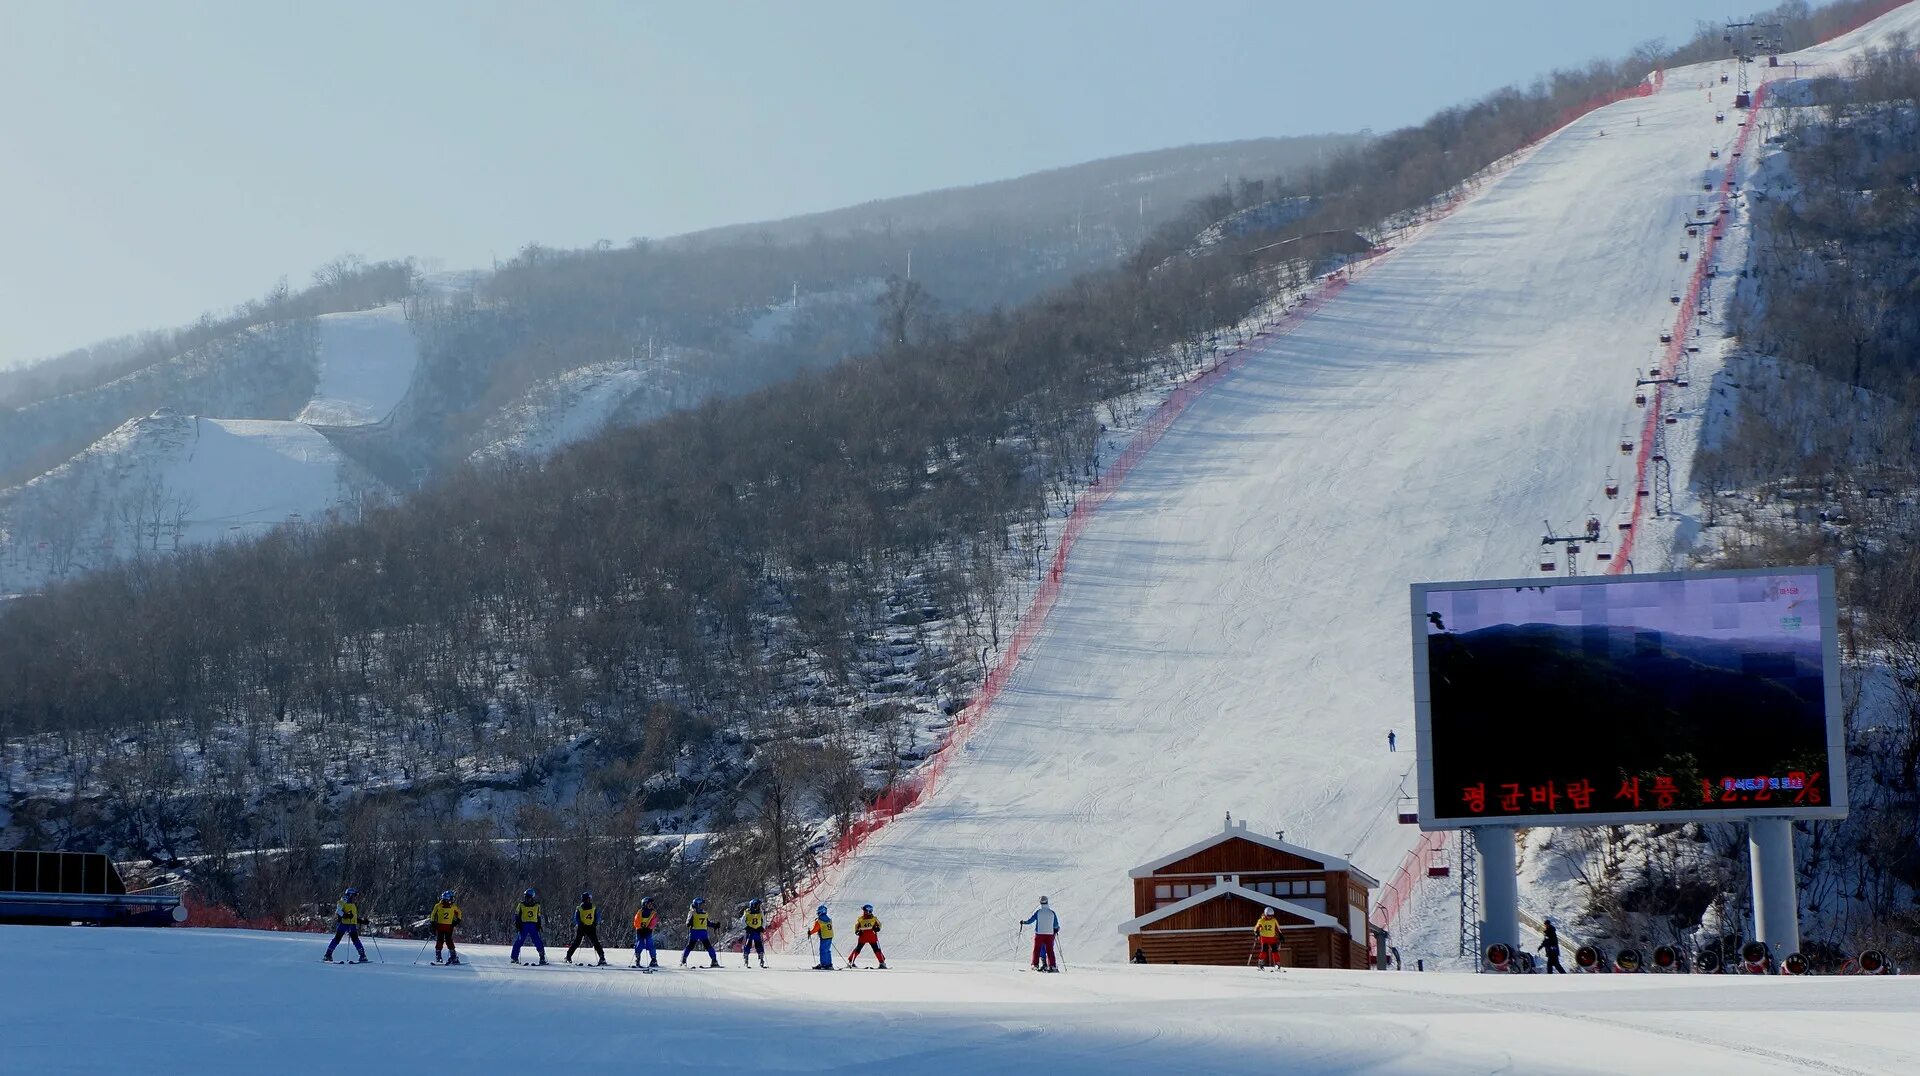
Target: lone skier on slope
445, 916
1390, 742
586, 927
1267, 931
346, 924
1550, 944
527, 914
823, 926
756, 940
644, 922
697, 932
866, 931
1046, 925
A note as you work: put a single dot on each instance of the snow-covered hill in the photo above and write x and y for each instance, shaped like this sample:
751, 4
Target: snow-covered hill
1231, 635
162, 481
195, 1001
366, 361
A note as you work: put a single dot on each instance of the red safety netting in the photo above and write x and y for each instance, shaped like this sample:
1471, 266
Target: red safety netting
1398, 891
1716, 226
201, 914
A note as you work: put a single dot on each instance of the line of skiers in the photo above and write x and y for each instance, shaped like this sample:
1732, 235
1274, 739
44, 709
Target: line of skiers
529, 918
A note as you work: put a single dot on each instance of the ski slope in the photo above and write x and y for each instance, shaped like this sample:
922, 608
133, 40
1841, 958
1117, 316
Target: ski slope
367, 359
1232, 630
240, 477
87, 1000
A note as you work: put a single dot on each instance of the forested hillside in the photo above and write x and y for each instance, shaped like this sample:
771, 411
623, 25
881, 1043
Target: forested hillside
740, 621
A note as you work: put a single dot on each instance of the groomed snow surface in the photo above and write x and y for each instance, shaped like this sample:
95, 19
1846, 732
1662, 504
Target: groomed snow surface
1232, 631
367, 359
207, 1001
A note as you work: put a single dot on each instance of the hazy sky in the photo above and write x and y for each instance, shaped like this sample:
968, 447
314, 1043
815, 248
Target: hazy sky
162, 159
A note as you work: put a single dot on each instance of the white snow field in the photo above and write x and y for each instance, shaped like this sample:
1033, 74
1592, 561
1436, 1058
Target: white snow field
367, 360
220, 1001
240, 477
1232, 634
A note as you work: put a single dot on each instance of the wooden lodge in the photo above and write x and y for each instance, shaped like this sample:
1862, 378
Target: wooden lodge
1198, 905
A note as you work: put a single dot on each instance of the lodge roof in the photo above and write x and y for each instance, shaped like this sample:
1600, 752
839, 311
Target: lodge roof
1231, 888
1239, 830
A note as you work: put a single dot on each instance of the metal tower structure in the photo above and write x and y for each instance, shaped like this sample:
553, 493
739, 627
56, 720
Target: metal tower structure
1469, 897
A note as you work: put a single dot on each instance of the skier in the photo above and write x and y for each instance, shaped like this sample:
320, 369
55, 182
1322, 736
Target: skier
823, 926
697, 932
445, 916
756, 940
586, 928
346, 924
1550, 944
527, 913
644, 922
866, 931
1267, 930
1390, 742
1046, 924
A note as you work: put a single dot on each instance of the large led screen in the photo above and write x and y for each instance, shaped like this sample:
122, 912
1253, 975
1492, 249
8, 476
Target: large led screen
1628, 698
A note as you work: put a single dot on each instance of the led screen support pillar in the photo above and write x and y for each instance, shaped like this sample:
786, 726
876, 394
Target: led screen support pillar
1499, 887
1776, 899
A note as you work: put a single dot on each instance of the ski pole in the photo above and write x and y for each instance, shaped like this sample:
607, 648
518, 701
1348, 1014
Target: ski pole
377, 951
424, 942
1059, 954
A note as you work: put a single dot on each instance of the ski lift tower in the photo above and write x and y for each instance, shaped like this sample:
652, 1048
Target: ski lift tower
1470, 898
1573, 542
1739, 38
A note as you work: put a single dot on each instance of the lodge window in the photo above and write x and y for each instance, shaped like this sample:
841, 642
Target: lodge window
1170, 893
1291, 889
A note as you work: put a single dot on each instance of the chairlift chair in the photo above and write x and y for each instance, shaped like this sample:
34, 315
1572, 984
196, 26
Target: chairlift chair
1626, 446
1546, 562
1603, 553
1639, 399
1613, 488
1666, 338
1409, 811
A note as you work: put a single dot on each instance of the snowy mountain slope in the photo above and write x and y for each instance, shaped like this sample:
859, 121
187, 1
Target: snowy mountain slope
240, 476
1231, 635
366, 362
567, 409
168, 480
187, 1000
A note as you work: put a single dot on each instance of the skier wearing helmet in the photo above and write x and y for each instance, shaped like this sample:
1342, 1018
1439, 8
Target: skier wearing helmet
823, 926
866, 931
445, 916
756, 940
644, 922
1267, 935
346, 924
697, 919
527, 914
586, 928
1046, 925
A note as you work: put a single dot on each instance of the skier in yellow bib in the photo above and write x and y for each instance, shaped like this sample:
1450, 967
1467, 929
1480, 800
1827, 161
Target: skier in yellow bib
1267, 931
756, 940
586, 928
697, 932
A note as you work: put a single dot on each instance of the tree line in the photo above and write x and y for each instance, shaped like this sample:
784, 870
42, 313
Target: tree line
666, 625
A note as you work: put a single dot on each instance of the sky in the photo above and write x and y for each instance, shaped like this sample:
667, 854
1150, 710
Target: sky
162, 160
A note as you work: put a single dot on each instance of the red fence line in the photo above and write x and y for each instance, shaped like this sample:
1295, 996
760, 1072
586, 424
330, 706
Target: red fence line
1397, 893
